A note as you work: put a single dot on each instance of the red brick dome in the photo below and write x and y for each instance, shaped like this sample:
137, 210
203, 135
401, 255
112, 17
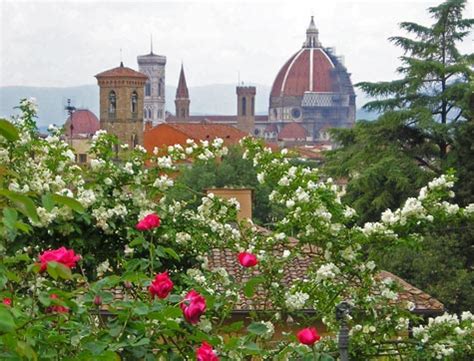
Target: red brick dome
84, 124
310, 69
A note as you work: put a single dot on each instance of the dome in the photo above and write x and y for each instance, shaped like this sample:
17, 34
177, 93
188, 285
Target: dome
84, 124
309, 70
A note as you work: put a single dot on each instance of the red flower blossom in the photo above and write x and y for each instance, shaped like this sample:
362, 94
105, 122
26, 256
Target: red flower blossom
206, 353
57, 308
247, 259
161, 285
193, 306
149, 222
308, 336
7, 301
61, 255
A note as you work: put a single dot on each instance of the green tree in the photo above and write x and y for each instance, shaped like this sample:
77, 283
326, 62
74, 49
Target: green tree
425, 127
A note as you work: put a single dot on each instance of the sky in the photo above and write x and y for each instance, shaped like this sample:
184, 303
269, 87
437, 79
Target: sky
65, 43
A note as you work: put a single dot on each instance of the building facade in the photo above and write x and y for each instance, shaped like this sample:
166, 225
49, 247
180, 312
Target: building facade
121, 103
153, 66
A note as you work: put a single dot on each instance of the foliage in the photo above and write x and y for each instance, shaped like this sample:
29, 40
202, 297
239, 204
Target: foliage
74, 313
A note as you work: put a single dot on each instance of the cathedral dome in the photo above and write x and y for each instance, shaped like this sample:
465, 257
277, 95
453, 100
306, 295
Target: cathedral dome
309, 70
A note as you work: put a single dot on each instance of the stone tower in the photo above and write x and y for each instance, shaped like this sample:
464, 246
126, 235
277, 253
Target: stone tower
153, 66
246, 108
121, 103
182, 100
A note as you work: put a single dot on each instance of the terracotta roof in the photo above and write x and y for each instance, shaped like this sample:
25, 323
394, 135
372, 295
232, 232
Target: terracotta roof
84, 124
310, 69
121, 71
298, 269
182, 90
293, 131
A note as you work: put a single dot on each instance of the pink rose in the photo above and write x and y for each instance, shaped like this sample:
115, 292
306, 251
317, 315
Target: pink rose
161, 285
7, 301
57, 308
206, 353
61, 255
308, 336
193, 306
149, 222
247, 259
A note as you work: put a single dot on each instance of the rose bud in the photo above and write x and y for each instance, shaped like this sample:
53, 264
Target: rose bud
161, 285
97, 300
247, 259
148, 222
7, 301
206, 353
308, 336
193, 306
61, 255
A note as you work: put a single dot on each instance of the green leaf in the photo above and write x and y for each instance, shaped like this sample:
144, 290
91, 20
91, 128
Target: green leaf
8, 130
249, 288
10, 217
326, 357
7, 323
48, 202
233, 327
26, 350
68, 202
136, 242
172, 253
52, 269
25, 204
63, 271
257, 328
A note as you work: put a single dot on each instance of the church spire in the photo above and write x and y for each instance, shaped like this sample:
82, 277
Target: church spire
182, 100
182, 91
312, 34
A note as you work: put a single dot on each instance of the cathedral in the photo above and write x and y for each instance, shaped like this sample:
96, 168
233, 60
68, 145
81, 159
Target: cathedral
312, 92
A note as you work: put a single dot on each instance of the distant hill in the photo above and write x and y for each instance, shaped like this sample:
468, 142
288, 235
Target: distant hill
207, 99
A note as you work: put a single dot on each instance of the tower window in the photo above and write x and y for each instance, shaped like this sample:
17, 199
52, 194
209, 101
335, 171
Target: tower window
112, 104
160, 87
147, 89
253, 106
183, 113
244, 106
134, 102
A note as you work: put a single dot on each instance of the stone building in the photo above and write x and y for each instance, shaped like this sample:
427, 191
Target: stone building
153, 66
246, 108
313, 88
121, 103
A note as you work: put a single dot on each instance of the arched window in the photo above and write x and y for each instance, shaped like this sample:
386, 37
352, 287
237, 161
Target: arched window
112, 104
160, 87
147, 89
244, 106
134, 102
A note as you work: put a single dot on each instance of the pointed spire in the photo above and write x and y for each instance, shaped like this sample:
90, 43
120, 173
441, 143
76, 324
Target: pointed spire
312, 34
182, 90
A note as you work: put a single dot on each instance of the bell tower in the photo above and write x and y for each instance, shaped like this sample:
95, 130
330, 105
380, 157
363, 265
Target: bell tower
121, 103
182, 100
246, 108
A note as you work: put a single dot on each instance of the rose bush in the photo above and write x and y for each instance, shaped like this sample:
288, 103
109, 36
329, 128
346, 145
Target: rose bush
98, 306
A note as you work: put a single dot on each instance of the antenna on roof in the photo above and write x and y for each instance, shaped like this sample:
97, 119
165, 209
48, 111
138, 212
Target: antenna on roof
238, 77
121, 60
151, 43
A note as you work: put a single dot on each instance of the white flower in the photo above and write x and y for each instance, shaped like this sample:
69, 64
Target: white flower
327, 271
284, 151
290, 203
297, 300
128, 250
284, 181
261, 178
108, 181
286, 253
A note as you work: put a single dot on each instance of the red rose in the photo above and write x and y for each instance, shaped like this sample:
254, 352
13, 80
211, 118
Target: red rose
149, 222
61, 255
308, 336
97, 300
161, 285
206, 353
247, 259
193, 306
7, 301
57, 308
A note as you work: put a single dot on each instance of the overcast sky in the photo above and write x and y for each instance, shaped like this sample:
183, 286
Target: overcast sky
45, 43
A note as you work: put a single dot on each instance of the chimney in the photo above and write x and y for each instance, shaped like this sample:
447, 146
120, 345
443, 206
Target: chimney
242, 195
